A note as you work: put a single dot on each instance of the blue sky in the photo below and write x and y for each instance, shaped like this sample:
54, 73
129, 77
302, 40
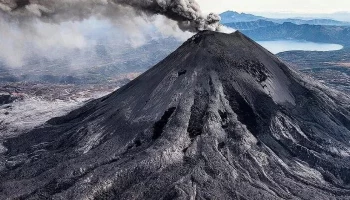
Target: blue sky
287, 6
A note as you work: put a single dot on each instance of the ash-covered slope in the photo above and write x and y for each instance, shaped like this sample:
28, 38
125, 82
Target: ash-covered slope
220, 118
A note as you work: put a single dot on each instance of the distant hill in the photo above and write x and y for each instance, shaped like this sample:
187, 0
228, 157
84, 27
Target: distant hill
313, 33
230, 17
250, 25
339, 16
327, 22
314, 30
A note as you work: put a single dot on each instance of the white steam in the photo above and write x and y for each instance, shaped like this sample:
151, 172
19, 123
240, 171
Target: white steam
19, 41
30, 27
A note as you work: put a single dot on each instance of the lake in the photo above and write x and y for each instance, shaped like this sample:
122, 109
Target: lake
278, 46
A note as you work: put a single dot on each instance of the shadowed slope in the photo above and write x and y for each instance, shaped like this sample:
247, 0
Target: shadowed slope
220, 118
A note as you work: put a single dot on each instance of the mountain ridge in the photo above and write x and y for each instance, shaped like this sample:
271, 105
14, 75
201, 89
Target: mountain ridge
234, 17
314, 30
287, 30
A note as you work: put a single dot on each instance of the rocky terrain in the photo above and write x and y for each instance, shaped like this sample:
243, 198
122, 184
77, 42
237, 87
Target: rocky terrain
27, 105
6, 98
331, 67
220, 118
48, 86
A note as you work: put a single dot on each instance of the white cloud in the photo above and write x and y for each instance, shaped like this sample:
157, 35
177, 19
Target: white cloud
18, 41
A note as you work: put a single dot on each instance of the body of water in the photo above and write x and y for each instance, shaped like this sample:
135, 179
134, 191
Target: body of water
278, 46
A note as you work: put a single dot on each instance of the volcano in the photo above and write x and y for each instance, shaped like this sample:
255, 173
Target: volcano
219, 118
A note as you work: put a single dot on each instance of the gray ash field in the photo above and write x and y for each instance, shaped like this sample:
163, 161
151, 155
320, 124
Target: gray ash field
23, 106
220, 118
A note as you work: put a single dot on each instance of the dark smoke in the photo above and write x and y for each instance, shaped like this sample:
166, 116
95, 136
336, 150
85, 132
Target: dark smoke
186, 13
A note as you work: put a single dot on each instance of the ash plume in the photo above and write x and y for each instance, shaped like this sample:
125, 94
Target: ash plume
186, 13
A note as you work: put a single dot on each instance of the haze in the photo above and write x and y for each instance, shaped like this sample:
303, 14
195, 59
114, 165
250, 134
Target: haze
290, 6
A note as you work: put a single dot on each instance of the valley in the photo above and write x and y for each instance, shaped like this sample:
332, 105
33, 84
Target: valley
329, 67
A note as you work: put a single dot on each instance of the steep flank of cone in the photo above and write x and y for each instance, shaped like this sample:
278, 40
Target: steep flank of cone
220, 118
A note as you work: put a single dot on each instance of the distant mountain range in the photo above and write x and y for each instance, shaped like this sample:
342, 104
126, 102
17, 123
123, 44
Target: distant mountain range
234, 17
314, 30
250, 25
339, 16
290, 31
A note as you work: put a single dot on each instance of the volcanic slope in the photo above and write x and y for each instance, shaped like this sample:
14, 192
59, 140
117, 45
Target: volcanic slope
220, 118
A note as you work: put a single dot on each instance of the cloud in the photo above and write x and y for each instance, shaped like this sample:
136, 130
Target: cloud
22, 40
46, 27
186, 13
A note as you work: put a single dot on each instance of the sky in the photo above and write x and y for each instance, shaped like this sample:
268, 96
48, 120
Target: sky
289, 6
